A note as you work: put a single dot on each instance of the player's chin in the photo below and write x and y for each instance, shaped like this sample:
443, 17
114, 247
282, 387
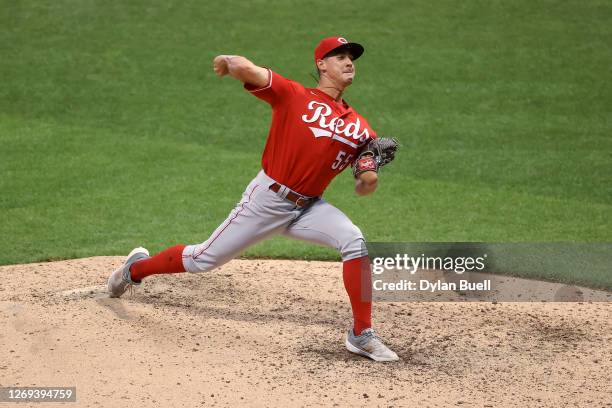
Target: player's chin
348, 78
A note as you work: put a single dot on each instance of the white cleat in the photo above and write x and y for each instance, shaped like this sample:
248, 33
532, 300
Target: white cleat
120, 280
368, 344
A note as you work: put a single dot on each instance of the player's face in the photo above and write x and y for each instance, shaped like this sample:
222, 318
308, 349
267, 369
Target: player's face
340, 68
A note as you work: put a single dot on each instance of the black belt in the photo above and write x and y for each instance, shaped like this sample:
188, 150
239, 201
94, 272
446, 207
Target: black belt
295, 198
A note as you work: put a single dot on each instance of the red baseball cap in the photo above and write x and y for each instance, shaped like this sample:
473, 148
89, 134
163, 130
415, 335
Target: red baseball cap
331, 43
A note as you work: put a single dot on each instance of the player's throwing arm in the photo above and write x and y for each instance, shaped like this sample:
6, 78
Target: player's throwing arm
240, 68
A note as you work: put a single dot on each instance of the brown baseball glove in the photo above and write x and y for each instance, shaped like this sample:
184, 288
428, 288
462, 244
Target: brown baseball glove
377, 153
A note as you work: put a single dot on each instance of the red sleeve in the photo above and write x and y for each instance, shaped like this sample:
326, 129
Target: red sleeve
276, 90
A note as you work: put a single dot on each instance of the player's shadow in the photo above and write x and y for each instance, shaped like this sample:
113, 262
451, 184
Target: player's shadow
326, 315
336, 352
117, 307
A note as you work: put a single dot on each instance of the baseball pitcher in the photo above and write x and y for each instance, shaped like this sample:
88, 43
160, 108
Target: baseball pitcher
314, 135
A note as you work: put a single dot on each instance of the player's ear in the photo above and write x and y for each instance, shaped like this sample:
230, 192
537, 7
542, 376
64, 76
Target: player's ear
321, 65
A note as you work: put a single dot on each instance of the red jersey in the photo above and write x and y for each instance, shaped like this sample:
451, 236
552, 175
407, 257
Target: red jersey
312, 137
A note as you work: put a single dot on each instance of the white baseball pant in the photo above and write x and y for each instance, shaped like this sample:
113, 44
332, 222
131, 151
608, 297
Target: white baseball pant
262, 213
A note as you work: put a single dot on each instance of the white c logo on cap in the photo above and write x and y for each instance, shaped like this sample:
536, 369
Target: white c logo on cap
342, 40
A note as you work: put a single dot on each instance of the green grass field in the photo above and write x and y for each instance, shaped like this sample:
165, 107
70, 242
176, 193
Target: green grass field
114, 131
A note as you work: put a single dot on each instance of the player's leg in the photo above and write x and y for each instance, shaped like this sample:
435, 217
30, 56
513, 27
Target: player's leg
259, 214
173, 259
251, 221
324, 224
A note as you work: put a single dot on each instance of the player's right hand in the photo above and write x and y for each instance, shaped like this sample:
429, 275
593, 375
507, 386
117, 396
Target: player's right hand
220, 65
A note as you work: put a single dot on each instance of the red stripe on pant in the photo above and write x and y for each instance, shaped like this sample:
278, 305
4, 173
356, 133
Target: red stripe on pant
358, 285
167, 261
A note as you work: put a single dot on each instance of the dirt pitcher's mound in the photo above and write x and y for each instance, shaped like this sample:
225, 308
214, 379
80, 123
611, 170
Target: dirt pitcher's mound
271, 333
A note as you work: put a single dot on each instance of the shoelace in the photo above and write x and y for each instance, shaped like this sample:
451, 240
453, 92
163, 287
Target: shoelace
372, 334
374, 338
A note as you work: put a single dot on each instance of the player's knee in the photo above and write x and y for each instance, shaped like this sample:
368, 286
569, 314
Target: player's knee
197, 267
353, 244
195, 260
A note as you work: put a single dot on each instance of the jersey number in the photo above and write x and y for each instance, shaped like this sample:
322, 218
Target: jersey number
342, 160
